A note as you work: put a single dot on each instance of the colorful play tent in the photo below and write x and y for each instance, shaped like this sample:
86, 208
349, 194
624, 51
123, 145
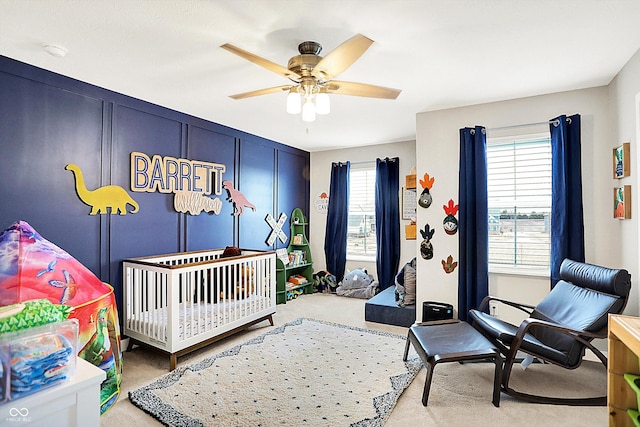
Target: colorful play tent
33, 268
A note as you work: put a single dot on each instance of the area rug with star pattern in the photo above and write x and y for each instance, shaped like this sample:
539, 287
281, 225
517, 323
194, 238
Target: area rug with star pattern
304, 373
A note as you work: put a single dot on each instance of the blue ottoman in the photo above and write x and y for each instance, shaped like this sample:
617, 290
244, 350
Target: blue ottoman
382, 308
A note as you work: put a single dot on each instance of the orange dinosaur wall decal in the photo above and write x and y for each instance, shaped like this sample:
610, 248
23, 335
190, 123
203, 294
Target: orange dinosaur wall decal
427, 181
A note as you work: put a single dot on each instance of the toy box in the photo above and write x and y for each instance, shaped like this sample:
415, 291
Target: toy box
36, 358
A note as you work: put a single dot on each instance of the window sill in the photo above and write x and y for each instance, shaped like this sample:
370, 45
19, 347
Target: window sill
361, 258
519, 271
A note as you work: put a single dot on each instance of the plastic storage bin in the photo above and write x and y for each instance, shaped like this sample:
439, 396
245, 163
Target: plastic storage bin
36, 358
5, 375
635, 416
634, 383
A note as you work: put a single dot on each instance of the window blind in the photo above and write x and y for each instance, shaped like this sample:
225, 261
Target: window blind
361, 236
519, 201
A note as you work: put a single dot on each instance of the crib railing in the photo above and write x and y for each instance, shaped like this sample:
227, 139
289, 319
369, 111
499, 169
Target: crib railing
175, 301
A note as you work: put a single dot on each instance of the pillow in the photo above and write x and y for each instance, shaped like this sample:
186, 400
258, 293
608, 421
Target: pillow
356, 279
410, 286
406, 285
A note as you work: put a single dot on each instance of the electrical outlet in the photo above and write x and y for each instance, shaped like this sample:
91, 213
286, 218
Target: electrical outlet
493, 309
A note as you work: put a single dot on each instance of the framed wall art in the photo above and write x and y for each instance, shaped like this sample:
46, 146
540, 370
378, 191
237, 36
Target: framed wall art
621, 161
409, 203
622, 202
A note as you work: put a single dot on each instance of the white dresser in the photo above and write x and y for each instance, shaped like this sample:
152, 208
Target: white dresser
76, 402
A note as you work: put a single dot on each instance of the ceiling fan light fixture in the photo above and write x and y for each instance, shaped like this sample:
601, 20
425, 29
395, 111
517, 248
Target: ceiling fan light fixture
308, 110
323, 104
294, 101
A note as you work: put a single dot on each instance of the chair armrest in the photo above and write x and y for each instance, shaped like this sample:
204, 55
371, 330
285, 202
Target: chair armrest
584, 337
522, 307
574, 333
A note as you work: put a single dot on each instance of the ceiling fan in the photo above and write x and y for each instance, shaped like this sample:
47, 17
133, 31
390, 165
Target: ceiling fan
313, 76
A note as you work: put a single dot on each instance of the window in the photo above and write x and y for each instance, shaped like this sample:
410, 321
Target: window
519, 196
361, 227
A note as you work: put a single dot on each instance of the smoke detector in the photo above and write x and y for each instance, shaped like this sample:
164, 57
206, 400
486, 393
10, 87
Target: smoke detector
55, 50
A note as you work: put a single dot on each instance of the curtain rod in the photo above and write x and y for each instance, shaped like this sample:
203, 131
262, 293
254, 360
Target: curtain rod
386, 159
355, 163
522, 125
554, 122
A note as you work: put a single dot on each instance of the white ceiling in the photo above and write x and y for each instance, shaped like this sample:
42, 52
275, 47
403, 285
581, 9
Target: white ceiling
442, 54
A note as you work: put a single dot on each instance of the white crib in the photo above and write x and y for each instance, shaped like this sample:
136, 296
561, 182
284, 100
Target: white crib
181, 302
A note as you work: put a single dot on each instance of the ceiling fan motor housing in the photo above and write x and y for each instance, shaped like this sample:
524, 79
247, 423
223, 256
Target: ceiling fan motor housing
304, 63
312, 48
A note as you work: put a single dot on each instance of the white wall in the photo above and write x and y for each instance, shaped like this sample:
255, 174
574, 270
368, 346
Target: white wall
320, 180
437, 153
610, 116
624, 93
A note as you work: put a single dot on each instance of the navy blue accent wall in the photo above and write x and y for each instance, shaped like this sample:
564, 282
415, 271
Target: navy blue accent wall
48, 120
291, 186
257, 164
208, 230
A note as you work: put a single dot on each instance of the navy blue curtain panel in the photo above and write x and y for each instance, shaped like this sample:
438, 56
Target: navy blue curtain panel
387, 220
567, 222
335, 239
473, 229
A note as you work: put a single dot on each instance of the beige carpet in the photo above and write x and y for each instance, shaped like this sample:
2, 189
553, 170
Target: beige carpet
460, 394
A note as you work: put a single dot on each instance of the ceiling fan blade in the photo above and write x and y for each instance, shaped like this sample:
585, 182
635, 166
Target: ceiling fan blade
361, 89
341, 57
261, 92
265, 63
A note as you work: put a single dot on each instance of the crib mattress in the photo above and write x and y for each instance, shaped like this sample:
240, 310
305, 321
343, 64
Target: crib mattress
197, 318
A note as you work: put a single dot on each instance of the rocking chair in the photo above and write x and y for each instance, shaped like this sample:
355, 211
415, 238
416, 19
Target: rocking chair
561, 327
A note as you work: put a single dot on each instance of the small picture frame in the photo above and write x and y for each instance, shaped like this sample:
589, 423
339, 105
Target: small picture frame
622, 202
410, 231
621, 161
409, 203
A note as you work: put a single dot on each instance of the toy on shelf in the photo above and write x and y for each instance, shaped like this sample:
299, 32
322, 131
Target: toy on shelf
295, 266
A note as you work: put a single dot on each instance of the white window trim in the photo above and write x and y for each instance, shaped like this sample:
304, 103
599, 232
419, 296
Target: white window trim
518, 271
